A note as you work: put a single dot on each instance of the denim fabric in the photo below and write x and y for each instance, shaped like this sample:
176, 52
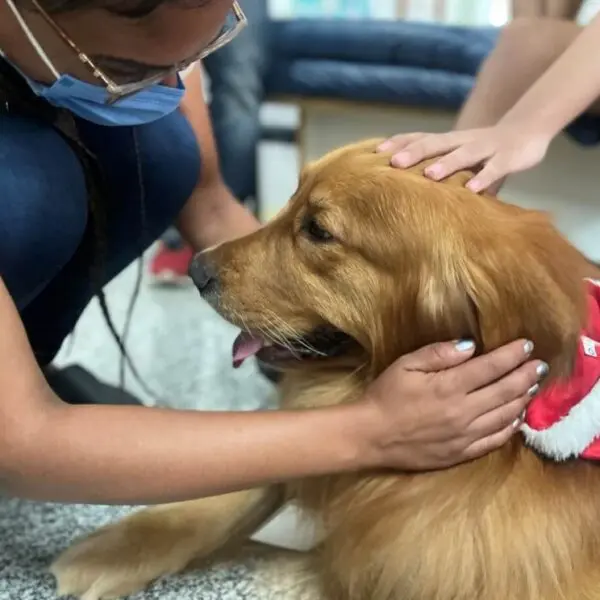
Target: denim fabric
46, 243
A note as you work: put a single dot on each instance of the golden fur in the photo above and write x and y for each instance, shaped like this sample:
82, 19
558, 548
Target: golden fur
414, 262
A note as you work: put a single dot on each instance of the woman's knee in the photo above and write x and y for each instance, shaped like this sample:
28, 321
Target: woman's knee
44, 206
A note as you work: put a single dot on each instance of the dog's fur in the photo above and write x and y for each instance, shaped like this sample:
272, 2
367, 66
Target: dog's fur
413, 262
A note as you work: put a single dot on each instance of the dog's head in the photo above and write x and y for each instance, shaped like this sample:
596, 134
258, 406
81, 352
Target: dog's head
368, 262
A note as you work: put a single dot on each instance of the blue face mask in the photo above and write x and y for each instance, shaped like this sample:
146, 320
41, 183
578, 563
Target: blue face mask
88, 101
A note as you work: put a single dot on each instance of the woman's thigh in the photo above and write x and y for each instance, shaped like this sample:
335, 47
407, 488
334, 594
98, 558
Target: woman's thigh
44, 206
150, 173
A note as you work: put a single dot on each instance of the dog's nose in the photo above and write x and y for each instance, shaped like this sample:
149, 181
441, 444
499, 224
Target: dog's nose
203, 272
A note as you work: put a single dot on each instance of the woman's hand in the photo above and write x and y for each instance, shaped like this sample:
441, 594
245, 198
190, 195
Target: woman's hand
494, 152
435, 408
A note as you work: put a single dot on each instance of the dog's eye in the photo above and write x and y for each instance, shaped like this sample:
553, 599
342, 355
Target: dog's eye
315, 232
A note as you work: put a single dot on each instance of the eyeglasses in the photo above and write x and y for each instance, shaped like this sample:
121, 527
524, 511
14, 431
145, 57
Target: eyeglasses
235, 22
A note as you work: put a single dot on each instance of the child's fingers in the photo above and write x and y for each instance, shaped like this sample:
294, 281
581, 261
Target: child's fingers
398, 142
491, 173
464, 157
427, 147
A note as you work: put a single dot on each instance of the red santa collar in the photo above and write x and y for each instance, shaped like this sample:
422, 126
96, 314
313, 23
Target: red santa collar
563, 421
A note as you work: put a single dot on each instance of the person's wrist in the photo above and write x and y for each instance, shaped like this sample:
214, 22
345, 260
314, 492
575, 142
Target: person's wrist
365, 431
541, 126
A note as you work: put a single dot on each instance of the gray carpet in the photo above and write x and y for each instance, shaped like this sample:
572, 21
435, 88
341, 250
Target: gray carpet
34, 533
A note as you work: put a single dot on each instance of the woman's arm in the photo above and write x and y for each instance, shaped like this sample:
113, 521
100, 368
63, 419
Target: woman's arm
136, 455
53, 451
212, 214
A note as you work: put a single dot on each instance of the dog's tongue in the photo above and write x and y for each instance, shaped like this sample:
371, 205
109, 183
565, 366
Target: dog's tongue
245, 346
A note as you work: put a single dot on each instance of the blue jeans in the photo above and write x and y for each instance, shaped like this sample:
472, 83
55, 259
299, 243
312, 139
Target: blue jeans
237, 73
46, 241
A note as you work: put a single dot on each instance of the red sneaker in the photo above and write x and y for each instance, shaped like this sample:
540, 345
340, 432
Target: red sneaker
170, 266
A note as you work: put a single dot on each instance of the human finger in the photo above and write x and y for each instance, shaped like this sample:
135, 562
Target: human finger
439, 356
428, 146
488, 368
490, 174
464, 157
488, 444
399, 141
500, 418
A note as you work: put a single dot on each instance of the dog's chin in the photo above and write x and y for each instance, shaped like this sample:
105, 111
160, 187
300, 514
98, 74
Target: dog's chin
323, 345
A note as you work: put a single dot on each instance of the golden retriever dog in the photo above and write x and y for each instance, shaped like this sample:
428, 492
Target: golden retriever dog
365, 264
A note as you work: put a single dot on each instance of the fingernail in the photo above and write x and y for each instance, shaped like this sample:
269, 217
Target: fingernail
401, 160
542, 370
474, 185
464, 345
384, 146
434, 171
533, 390
519, 420
528, 347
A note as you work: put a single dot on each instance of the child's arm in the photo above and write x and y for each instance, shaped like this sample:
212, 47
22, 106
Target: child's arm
520, 139
552, 9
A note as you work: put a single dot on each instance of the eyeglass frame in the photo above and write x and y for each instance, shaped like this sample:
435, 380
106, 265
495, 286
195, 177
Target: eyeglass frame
117, 91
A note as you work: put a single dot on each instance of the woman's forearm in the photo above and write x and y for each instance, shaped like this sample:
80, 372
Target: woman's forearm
565, 90
212, 216
99, 454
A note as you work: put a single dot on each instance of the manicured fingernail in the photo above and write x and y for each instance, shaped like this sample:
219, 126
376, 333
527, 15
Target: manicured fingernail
533, 390
465, 345
401, 160
542, 370
435, 171
519, 420
528, 347
387, 145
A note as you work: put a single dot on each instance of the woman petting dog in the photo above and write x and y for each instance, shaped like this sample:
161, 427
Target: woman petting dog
101, 148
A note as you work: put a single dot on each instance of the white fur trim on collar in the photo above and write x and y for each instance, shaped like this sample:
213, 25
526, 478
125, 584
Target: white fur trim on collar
572, 434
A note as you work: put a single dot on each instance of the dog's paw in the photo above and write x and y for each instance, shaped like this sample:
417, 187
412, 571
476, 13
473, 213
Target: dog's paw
120, 559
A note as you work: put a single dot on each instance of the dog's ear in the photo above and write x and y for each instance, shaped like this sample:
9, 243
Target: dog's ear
511, 275
490, 272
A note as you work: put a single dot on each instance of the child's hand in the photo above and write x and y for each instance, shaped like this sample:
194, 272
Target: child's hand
494, 152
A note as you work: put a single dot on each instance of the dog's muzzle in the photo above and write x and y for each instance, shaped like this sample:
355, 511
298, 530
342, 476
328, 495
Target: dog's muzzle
204, 274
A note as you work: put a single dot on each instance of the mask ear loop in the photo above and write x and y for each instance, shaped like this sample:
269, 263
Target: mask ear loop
32, 39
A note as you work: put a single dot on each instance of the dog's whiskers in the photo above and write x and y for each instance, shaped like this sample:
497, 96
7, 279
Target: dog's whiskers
279, 332
275, 335
291, 334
